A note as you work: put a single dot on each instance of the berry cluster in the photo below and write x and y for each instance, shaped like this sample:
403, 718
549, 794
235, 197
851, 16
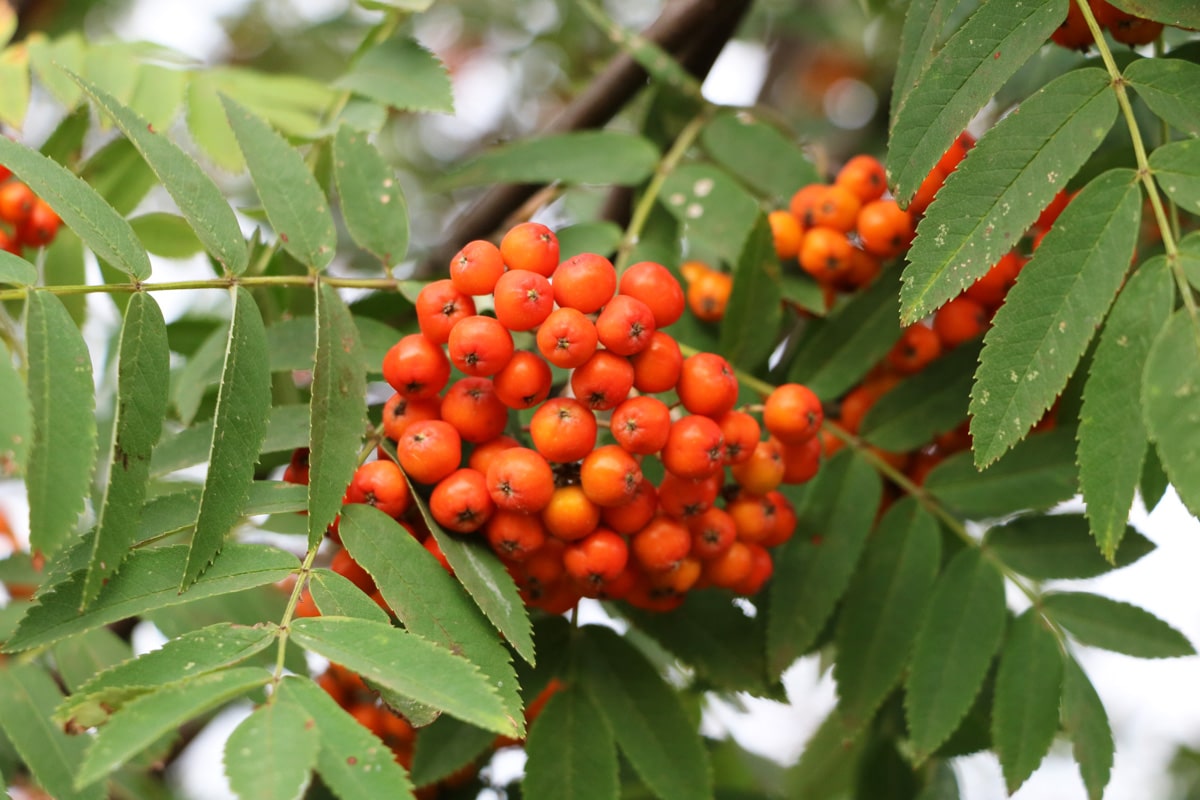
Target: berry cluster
1124, 27
30, 222
603, 396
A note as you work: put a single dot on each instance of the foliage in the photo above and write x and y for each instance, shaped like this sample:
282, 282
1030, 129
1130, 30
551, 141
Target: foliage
152, 455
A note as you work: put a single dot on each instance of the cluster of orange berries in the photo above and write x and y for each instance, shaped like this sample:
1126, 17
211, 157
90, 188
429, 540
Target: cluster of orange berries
30, 222
1126, 28
567, 507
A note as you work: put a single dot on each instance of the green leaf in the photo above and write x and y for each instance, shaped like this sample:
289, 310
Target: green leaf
79, 658
208, 125
937, 102
924, 405
409, 665
15, 417
1112, 436
402, 74
198, 198
1038, 473
813, 568
943, 785
27, 695
372, 204
490, 585
112, 66
240, 426
337, 596
287, 429
446, 746
121, 177
80, 207
1153, 484
64, 265
718, 213
1167, 85
53, 60
1113, 625
270, 755
924, 23
713, 636
196, 653
403, 5
1085, 721
1171, 404
1059, 546
962, 629
424, 597
291, 343
352, 761
148, 580
1179, 13
292, 103
644, 714
143, 374
572, 753
158, 94
759, 154
339, 411
829, 764
287, 189
1051, 314
994, 196
750, 328
603, 157
16, 271
883, 610
601, 238
1176, 168
166, 235
62, 401
840, 349
1028, 688
142, 722
14, 85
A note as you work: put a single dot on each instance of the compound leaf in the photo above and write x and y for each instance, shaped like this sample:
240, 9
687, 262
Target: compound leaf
1113, 625
1013, 173
287, 189
15, 417
962, 629
759, 154
338, 411
402, 74
1051, 314
372, 203
813, 568
1171, 403
604, 157
239, 428
1025, 707
1176, 168
750, 329
62, 403
1059, 546
1167, 84
1085, 721
883, 610
937, 102
270, 755
1112, 436
143, 375
572, 753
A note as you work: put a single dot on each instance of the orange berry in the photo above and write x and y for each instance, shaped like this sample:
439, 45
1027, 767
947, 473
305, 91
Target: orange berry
461, 502
16, 202
475, 268
742, 433
570, 515
886, 230
429, 450
399, 412
786, 233
481, 457
708, 295
585, 282
603, 381
654, 285
567, 338
826, 254
625, 325
480, 346
763, 471
530, 246
792, 413
695, 447
707, 385
927, 191
960, 320
991, 289
684, 498
472, 407
713, 532
515, 536
520, 480
661, 544
801, 461
416, 367
524, 382
864, 176
657, 368
440, 305
918, 345
835, 207
380, 484
599, 557
631, 517
523, 299
563, 430
610, 476
641, 424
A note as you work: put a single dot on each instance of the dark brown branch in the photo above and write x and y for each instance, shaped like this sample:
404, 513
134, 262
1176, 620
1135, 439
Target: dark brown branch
693, 31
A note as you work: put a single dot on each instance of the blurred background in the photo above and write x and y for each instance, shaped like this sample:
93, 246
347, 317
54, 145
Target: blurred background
824, 70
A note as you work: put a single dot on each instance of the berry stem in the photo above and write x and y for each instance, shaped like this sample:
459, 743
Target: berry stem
1145, 174
289, 612
641, 212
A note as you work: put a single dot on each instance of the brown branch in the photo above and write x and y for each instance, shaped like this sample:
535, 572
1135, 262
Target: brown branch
692, 30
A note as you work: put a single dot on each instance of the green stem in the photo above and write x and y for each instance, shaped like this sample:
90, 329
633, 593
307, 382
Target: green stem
641, 213
1145, 174
249, 281
289, 612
